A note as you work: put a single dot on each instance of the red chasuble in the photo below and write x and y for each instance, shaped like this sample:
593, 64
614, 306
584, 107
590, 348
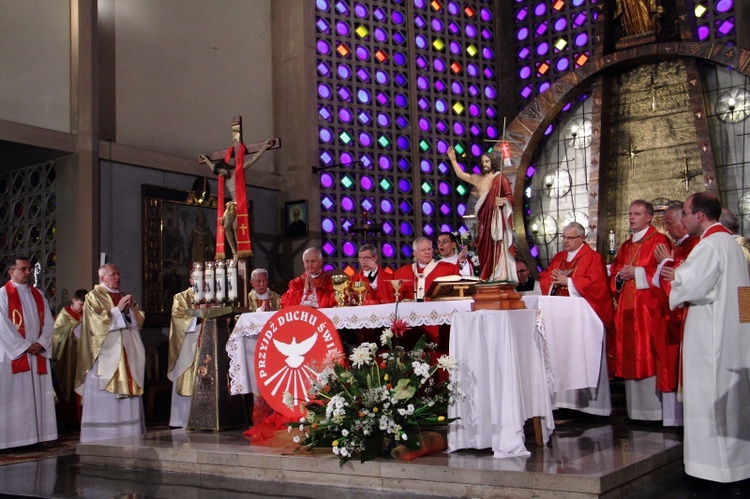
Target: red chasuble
490, 252
384, 292
589, 274
668, 347
639, 317
324, 290
407, 273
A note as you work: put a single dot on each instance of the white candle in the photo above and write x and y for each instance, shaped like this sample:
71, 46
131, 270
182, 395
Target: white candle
208, 282
197, 276
232, 280
221, 279
611, 241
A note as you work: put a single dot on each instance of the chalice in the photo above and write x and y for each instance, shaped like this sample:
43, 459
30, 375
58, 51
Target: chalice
340, 283
396, 283
359, 287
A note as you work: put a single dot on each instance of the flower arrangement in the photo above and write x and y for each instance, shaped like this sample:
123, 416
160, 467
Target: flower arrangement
381, 401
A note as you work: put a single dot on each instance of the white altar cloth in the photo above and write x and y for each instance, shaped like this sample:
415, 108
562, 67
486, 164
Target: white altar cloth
503, 371
241, 343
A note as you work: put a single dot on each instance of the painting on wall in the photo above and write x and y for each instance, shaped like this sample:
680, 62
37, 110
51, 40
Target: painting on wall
295, 218
179, 228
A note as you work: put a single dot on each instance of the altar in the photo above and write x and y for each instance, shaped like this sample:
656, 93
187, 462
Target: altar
512, 365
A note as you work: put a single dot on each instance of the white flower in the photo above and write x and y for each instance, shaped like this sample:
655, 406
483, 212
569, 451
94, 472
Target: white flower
301, 427
345, 432
447, 362
296, 439
288, 399
386, 335
336, 450
421, 369
361, 355
410, 409
404, 437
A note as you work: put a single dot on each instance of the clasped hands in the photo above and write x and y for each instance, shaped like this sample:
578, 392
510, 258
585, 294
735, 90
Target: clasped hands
35, 349
125, 302
559, 277
309, 284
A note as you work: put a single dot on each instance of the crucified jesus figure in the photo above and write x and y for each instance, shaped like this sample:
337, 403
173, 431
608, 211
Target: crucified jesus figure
219, 167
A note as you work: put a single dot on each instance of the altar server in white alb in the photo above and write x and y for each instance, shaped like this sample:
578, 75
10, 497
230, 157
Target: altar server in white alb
716, 347
27, 403
184, 334
111, 361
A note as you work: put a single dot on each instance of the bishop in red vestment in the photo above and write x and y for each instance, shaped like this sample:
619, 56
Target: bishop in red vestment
314, 287
580, 271
378, 289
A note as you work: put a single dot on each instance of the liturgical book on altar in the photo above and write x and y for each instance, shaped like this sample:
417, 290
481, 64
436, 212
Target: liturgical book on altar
452, 287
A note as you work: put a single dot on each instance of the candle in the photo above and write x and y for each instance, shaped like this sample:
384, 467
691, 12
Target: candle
208, 283
611, 241
197, 276
232, 281
221, 278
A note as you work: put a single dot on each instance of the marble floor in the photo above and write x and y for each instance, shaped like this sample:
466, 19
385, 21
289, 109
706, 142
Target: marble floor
586, 457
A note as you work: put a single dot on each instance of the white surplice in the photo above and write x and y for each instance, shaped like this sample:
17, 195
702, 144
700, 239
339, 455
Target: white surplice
27, 403
716, 360
180, 408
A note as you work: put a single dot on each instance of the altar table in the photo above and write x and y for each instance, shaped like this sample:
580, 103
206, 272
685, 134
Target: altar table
241, 343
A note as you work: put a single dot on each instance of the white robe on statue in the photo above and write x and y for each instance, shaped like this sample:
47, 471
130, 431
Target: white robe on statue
27, 403
104, 414
716, 360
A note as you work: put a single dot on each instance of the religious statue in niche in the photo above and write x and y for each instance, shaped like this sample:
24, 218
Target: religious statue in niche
639, 17
494, 210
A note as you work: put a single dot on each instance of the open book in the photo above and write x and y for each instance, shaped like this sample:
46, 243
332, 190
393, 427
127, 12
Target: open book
452, 287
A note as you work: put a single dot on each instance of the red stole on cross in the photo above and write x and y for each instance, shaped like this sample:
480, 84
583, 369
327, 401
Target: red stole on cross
15, 313
244, 248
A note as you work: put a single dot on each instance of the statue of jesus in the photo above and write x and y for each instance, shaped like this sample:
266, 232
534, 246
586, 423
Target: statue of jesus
219, 167
494, 211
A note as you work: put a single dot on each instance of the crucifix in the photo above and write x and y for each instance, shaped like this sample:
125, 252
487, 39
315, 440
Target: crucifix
232, 219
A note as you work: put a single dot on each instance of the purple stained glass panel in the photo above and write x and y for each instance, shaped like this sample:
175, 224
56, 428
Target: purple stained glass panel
342, 7
325, 113
421, 62
474, 110
488, 54
398, 37
347, 203
440, 85
437, 25
360, 10
381, 77
363, 53
542, 48
366, 182
344, 71
397, 17
385, 163
364, 96
454, 47
327, 203
404, 185
562, 64
406, 228
526, 91
454, 28
441, 126
423, 104
365, 139
441, 146
461, 209
421, 41
401, 121
524, 53
405, 207
326, 180
441, 106
383, 119
386, 205
420, 4
328, 225
329, 248
726, 27
534, 251
349, 249
367, 205
325, 135
485, 15
326, 158
401, 101
419, 22
486, 34
423, 83
364, 117
324, 91
724, 5
323, 47
541, 28
549, 129
580, 19
490, 92
581, 39
488, 72
322, 5
425, 165
522, 33
446, 228
470, 30
381, 35
476, 150
444, 188
379, 14
457, 88
363, 74
342, 28
445, 208
406, 250
346, 159
345, 115
400, 79
403, 143
540, 9
490, 112
521, 14
382, 98
388, 250
388, 228
459, 128
474, 90
491, 132
424, 124
345, 94
560, 23
703, 32
429, 230
472, 69
428, 208
453, 8
544, 86
475, 130
322, 25
438, 64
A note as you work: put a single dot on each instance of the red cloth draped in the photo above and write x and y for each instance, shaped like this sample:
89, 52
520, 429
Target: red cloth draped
15, 314
324, 290
489, 250
589, 274
639, 317
244, 247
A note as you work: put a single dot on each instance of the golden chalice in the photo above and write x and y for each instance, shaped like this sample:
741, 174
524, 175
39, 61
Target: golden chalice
359, 287
396, 283
340, 284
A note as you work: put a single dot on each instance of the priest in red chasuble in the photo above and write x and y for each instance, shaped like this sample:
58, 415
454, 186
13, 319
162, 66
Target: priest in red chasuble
639, 317
580, 271
377, 289
314, 287
418, 276
668, 347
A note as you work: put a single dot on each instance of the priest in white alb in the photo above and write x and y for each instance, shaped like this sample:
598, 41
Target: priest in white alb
111, 361
184, 336
27, 403
716, 347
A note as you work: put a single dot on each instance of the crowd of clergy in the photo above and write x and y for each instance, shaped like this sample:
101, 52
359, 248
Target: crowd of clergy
668, 304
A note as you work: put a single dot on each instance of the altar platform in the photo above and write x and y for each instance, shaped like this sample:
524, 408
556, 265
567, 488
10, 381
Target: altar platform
586, 457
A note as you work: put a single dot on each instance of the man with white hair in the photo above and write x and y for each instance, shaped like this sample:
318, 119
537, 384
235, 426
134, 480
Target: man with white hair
111, 361
314, 287
418, 276
260, 298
